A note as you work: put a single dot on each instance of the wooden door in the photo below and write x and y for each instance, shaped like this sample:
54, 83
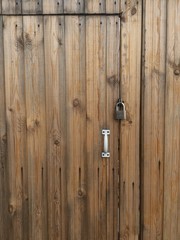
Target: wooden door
61, 76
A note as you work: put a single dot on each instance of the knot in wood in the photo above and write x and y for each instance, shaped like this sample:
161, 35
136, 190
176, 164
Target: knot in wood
11, 209
57, 142
113, 81
76, 102
177, 72
4, 138
10, 109
133, 11
81, 193
37, 123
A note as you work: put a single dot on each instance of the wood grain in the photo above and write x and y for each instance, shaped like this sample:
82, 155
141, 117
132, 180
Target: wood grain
102, 85
56, 125
60, 6
60, 78
93, 6
11, 6
53, 6
36, 123
92, 211
172, 125
74, 6
153, 88
112, 94
129, 132
95, 58
76, 125
32, 6
16, 121
113, 6
3, 144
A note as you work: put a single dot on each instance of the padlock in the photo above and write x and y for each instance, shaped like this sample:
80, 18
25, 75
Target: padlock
120, 110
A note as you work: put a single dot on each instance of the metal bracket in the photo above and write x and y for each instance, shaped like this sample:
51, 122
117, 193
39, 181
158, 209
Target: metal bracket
105, 153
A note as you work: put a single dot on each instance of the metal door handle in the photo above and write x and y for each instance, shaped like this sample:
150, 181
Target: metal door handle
105, 153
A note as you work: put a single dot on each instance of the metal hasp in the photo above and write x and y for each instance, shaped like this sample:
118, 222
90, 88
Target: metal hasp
105, 154
120, 110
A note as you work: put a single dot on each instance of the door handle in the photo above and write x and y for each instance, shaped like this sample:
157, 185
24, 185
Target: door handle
106, 153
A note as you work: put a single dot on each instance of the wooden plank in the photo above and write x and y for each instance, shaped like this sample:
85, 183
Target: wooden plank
11, 6
74, 6
3, 145
76, 125
129, 139
15, 114
36, 127
92, 210
153, 119
172, 125
58, 6
113, 6
53, 6
56, 126
32, 6
100, 101
94, 6
113, 84
98, 169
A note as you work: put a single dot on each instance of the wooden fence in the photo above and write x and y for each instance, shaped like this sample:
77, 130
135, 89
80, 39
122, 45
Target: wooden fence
37, 172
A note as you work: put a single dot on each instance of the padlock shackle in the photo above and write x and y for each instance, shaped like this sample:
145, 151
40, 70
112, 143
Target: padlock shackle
119, 104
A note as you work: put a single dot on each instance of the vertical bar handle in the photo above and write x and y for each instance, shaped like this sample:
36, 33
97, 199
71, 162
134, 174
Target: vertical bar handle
105, 143
105, 133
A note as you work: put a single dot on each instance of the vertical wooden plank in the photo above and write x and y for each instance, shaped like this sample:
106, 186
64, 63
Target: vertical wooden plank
74, 6
94, 6
172, 125
113, 84
91, 114
53, 6
76, 125
3, 144
11, 6
153, 90
96, 121
56, 126
36, 127
113, 6
32, 6
16, 120
100, 89
0, 6
129, 140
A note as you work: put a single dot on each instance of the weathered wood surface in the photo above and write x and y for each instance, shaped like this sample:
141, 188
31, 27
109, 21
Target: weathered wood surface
60, 77
36, 123
171, 224
76, 126
59, 6
61, 82
3, 145
16, 122
11, 6
153, 118
113, 82
54, 45
129, 129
